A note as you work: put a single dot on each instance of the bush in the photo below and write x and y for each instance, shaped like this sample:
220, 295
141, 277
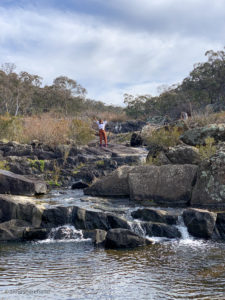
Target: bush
164, 137
207, 150
80, 131
11, 128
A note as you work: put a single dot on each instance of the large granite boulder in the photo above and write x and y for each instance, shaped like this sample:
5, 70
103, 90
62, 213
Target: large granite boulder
166, 184
90, 219
183, 154
56, 216
200, 223
123, 238
15, 184
209, 190
160, 230
20, 207
197, 136
155, 215
13, 230
115, 184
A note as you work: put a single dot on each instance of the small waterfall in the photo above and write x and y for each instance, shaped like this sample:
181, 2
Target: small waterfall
137, 228
183, 229
65, 233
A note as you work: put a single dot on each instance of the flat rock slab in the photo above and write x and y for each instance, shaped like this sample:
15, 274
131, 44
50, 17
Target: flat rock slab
20, 207
15, 184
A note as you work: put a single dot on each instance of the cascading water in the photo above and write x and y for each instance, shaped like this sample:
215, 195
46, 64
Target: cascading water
66, 233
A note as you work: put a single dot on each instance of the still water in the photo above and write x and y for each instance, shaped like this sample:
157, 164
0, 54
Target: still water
74, 269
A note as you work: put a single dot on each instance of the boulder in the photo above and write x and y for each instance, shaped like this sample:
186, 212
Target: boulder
166, 184
153, 215
209, 190
14, 184
183, 155
13, 230
31, 234
88, 219
79, 185
115, 184
123, 238
161, 230
20, 207
96, 235
197, 136
220, 224
56, 216
200, 223
136, 140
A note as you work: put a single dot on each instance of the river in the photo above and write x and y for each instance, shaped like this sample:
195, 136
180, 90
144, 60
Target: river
75, 269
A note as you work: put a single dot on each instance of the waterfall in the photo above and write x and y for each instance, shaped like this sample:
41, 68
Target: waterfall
65, 233
137, 228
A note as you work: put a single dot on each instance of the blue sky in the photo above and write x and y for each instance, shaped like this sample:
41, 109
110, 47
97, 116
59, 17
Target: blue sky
111, 47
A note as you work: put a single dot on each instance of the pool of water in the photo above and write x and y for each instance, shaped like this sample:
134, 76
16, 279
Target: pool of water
74, 269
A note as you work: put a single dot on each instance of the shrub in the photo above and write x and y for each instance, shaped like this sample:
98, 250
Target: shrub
164, 137
207, 150
80, 131
11, 128
4, 165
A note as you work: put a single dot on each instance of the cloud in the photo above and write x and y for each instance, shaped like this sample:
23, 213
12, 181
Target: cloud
124, 47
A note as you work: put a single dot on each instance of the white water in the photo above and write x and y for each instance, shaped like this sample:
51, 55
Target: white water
65, 234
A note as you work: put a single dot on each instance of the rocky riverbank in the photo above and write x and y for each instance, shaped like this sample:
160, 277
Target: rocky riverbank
177, 177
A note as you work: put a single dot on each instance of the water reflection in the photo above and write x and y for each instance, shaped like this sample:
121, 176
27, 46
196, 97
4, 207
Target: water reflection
169, 270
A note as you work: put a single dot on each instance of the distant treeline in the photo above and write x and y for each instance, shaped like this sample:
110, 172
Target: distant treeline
203, 88
22, 94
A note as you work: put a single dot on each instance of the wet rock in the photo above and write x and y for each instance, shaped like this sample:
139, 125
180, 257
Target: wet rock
123, 238
96, 235
57, 216
88, 219
31, 234
117, 222
15, 184
153, 215
220, 224
79, 185
200, 223
13, 230
161, 230
209, 190
166, 184
22, 208
183, 155
65, 233
197, 136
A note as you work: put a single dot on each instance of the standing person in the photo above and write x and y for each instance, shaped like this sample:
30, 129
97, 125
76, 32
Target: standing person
102, 133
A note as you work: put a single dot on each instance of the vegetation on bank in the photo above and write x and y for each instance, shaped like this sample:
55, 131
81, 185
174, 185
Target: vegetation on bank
60, 112
202, 91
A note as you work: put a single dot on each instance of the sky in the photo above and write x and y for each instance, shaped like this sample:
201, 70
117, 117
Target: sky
111, 47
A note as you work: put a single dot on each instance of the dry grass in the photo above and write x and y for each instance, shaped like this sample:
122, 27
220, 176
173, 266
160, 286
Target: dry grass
46, 128
205, 118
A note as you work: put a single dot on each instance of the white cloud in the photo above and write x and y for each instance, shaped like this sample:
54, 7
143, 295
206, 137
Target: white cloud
107, 59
